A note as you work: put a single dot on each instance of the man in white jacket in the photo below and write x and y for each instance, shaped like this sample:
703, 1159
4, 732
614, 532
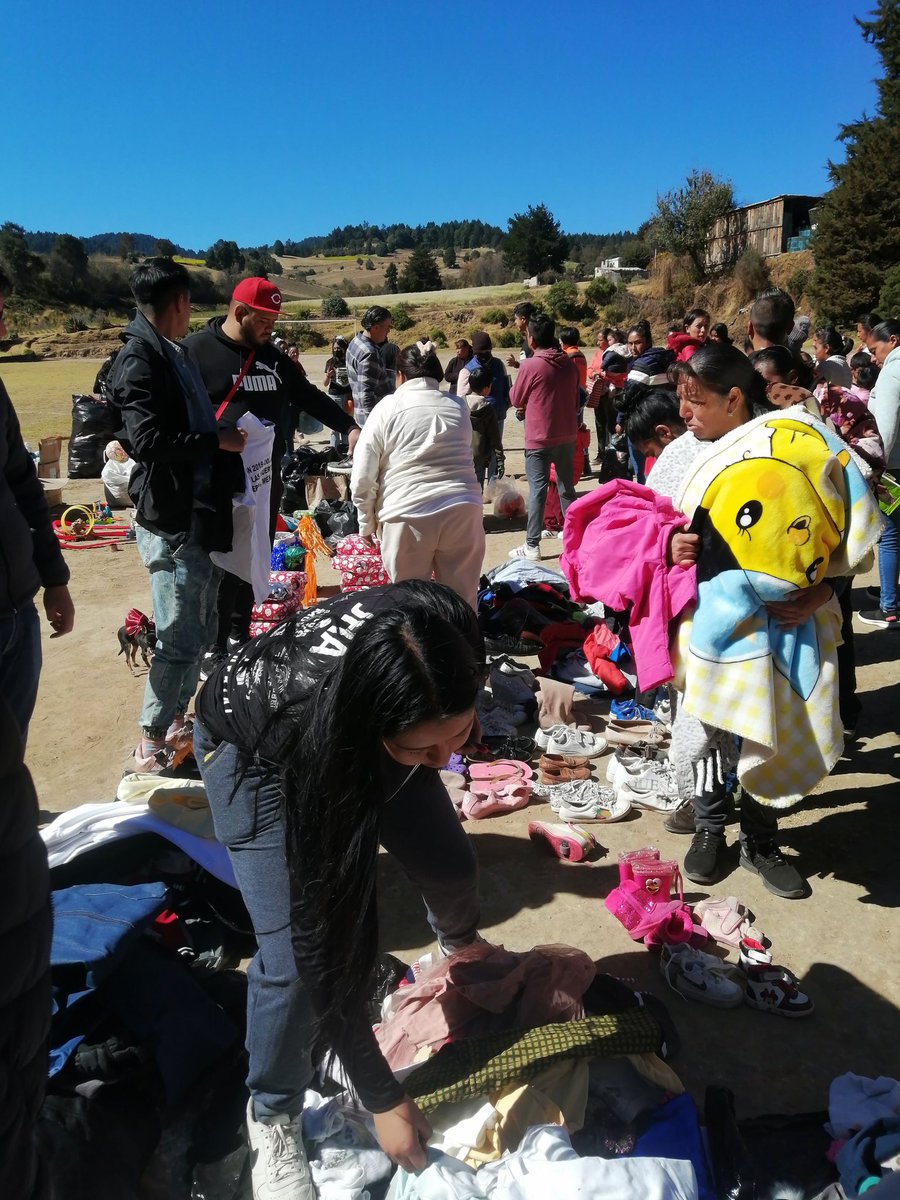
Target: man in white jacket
884, 405
413, 481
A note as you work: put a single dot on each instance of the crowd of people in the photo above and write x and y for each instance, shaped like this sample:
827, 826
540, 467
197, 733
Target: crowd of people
319, 740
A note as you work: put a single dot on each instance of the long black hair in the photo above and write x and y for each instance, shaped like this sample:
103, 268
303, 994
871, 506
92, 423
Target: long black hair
646, 407
419, 660
720, 368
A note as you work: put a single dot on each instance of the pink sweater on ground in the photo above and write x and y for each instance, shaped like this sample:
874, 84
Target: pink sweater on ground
615, 550
547, 388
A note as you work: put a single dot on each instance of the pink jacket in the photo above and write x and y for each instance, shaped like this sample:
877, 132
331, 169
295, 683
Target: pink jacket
615, 543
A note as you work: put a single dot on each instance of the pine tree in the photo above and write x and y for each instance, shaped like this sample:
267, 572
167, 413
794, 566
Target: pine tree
535, 242
390, 278
421, 272
857, 235
450, 256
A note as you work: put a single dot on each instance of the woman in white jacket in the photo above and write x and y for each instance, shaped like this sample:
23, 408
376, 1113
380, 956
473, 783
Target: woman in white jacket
413, 480
884, 405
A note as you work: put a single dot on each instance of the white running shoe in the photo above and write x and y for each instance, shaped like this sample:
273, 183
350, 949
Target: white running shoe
605, 806
622, 768
566, 740
532, 553
655, 789
278, 1163
542, 736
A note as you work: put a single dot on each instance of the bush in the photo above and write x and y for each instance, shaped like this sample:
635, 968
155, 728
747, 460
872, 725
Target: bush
439, 338
601, 290
307, 338
75, 323
506, 338
889, 298
401, 318
797, 283
335, 306
752, 273
496, 316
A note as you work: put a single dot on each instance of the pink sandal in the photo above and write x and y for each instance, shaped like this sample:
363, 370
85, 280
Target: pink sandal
503, 770
492, 802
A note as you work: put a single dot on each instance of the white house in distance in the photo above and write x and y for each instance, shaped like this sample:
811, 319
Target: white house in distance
611, 268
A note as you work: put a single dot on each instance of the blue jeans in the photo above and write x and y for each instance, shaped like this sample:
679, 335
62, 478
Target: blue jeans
537, 471
419, 828
184, 585
20, 663
889, 561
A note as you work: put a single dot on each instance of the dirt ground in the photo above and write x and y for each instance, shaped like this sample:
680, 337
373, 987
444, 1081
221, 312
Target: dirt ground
842, 942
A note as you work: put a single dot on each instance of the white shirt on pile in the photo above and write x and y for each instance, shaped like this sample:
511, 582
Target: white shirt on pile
414, 457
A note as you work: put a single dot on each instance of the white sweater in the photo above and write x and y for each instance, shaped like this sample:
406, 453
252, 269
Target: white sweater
884, 405
413, 457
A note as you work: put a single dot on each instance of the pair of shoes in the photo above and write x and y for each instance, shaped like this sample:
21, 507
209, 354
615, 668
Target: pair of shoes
629, 710
879, 618
728, 922
567, 842
627, 732
550, 776
563, 739
625, 765
701, 977
585, 800
703, 862
278, 1162
533, 553
654, 788
682, 820
774, 989
764, 859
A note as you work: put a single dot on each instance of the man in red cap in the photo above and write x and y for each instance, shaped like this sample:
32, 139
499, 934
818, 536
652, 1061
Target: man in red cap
240, 365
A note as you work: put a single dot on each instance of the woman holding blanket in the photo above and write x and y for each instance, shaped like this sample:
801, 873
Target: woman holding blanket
317, 742
777, 508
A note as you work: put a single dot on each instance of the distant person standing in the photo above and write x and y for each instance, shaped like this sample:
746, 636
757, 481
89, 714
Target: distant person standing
182, 489
30, 561
545, 397
369, 378
337, 386
483, 356
456, 364
522, 314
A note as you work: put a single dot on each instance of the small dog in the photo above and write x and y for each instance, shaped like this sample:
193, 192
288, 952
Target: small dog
138, 633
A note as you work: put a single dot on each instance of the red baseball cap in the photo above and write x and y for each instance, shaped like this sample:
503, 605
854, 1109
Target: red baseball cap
258, 293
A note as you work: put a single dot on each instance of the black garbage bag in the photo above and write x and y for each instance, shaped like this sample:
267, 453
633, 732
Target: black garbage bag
94, 423
731, 1161
336, 518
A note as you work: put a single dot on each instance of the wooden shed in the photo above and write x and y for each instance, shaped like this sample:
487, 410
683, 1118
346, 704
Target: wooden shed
764, 227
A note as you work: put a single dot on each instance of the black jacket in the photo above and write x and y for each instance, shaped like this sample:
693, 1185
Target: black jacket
271, 384
30, 557
156, 432
25, 931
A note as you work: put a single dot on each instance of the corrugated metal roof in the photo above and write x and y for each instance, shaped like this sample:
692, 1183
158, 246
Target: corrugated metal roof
784, 196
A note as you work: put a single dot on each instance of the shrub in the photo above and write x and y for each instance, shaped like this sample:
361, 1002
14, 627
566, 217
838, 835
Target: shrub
308, 338
496, 316
439, 338
797, 283
335, 306
506, 338
562, 299
75, 323
889, 298
401, 318
600, 290
752, 273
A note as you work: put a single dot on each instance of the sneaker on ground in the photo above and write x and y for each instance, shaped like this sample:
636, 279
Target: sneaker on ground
510, 667
703, 862
628, 710
766, 860
505, 643
212, 658
655, 789
606, 807
278, 1163
525, 551
622, 769
574, 741
542, 736
663, 711
879, 618
682, 820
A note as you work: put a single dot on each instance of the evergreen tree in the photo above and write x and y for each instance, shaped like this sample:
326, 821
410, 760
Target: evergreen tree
22, 267
450, 256
67, 265
126, 246
390, 279
534, 241
421, 272
165, 248
857, 236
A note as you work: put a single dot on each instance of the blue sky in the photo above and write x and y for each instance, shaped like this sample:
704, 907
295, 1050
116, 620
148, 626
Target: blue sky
196, 120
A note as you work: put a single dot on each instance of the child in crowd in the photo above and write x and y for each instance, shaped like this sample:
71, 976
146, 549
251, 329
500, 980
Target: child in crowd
486, 438
864, 373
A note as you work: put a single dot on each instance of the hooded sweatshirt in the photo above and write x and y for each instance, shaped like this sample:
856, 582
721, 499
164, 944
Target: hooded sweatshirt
546, 388
271, 384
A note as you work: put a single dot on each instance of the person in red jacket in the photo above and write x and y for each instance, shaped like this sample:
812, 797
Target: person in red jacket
545, 397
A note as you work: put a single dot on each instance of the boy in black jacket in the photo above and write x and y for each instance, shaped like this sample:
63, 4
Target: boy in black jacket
182, 488
271, 385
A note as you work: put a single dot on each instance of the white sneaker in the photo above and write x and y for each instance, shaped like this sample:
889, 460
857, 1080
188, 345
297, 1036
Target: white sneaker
623, 769
573, 741
663, 712
525, 551
542, 736
593, 803
655, 789
278, 1162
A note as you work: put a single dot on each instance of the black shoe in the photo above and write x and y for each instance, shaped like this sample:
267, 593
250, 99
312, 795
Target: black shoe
766, 860
505, 643
702, 862
874, 593
879, 618
681, 820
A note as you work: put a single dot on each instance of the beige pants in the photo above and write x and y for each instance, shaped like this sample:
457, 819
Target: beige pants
449, 543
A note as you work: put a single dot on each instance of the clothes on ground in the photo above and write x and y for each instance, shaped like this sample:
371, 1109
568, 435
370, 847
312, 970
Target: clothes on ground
344, 1158
630, 571
855, 1101
179, 802
251, 547
740, 671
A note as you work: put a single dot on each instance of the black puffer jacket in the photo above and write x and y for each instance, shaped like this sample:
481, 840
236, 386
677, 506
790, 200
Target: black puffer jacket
25, 931
30, 557
156, 432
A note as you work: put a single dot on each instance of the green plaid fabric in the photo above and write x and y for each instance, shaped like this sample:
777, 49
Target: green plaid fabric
477, 1066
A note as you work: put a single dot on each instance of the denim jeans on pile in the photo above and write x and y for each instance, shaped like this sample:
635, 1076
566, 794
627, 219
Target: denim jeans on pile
20, 663
889, 561
419, 828
184, 584
537, 471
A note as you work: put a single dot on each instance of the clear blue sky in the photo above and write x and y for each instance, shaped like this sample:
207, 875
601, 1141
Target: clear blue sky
196, 120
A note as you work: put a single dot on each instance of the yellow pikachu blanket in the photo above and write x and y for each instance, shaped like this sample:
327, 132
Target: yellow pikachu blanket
779, 506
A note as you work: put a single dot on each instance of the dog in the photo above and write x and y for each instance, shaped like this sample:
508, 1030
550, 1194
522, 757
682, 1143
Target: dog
137, 634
